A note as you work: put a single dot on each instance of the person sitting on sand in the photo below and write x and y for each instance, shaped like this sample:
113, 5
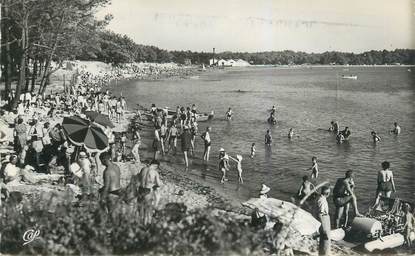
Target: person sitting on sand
253, 149
375, 137
343, 195
397, 129
263, 193
268, 138
150, 182
238, 161
228, 114
305, 188
314, 168
11, 171
110, 192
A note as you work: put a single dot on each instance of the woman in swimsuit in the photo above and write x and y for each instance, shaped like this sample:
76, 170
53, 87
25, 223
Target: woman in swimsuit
386, 183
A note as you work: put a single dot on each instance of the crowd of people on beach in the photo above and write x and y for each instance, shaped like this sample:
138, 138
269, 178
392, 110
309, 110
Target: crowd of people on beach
343, 190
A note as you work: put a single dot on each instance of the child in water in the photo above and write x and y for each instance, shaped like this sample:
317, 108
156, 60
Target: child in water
253, 150
238, 161
306, 188
314, 168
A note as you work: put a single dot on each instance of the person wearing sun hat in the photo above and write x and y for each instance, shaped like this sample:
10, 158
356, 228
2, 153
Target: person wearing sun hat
263, 193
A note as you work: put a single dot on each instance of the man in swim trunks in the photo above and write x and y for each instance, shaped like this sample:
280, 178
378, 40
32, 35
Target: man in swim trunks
206, 139
172, 137
186, 144
110, 192
343, 195
150, 181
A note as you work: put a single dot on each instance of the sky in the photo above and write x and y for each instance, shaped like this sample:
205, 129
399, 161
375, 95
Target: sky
266, 25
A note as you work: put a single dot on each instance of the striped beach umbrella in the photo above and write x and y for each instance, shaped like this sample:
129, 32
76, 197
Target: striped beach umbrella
99, 118
82, 132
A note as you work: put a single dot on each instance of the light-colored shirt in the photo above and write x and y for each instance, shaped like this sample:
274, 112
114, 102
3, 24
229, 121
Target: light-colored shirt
11, 171
322, 206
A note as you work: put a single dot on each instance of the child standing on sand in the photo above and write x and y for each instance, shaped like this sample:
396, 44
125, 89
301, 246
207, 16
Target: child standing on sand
238, 161
253, 149
314, 168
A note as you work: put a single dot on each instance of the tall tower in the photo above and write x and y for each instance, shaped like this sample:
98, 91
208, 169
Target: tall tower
213, 57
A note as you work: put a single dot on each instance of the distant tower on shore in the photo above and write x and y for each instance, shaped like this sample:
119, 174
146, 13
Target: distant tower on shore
213, 57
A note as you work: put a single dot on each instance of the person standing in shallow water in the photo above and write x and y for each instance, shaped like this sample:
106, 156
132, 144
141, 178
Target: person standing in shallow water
397, 129
268, 138
386, 183
206, 139
186, 144
343, 195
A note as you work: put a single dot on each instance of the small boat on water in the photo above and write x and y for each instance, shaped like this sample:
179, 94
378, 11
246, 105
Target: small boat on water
353, 77
200, 117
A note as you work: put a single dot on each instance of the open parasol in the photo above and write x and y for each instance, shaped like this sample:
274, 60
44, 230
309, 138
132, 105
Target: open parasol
99, 118
287, 213
82, 132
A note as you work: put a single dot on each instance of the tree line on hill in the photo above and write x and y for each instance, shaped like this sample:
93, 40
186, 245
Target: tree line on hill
37, 33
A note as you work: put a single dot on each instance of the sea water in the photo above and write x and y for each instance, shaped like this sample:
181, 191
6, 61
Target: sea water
307, 99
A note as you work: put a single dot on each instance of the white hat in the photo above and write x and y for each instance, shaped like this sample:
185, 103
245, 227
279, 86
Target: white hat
239, 157
82, 154
265, 189
221, 149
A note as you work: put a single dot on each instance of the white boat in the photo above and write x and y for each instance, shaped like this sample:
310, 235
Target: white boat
349, 77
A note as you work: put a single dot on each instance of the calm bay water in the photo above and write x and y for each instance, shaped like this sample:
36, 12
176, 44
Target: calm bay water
307, 99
